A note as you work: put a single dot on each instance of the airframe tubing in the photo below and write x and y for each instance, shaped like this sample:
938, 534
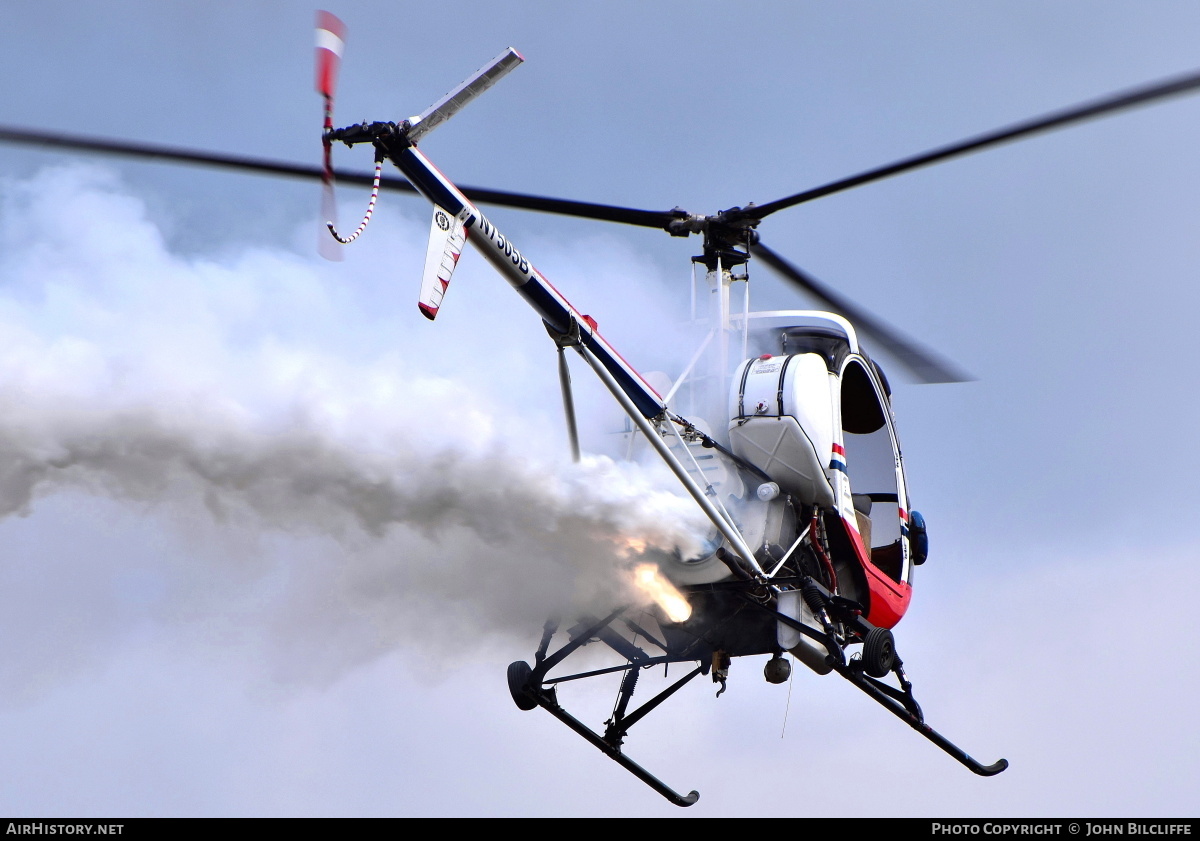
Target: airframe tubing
564, 381
709, 490
687, 372
726, 528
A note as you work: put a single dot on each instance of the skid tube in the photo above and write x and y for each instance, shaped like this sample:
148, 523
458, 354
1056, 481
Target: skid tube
528, 687
900, 702
886, 696
547, 702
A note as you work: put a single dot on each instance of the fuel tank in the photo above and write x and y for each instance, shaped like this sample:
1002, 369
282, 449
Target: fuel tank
782, 421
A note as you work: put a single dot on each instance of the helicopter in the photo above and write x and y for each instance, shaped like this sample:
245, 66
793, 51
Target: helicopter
796, 561
806, 555
729, 247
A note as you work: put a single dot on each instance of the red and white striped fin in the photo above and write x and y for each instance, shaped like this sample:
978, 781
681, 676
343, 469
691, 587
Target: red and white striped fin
447, 235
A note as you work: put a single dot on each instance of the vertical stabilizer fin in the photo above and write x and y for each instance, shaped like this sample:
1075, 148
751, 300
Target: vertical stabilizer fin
447, 235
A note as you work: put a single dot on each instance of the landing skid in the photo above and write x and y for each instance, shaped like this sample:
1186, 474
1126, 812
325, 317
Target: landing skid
531, 686
904, 706
547, 701
900, 702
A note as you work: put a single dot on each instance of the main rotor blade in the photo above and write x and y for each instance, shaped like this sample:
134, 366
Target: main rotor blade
261, 166
923, 363
1057, 119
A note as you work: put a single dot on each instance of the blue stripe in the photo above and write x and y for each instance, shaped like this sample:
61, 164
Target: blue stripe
426, 182
548, 307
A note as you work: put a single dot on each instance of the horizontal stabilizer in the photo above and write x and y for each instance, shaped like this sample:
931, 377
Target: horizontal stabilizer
447, 235
453, 102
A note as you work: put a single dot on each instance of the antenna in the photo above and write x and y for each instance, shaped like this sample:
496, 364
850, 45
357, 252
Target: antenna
453, 102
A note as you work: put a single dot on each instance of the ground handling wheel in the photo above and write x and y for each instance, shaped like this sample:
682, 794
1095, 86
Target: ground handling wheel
519, 674
879, 652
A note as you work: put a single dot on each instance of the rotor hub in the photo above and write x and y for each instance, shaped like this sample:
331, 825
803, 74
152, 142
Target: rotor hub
728, 234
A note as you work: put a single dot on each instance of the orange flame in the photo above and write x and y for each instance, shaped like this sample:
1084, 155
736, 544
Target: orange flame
650, 581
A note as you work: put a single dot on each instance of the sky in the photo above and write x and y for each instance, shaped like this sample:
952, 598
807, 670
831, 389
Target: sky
268, 539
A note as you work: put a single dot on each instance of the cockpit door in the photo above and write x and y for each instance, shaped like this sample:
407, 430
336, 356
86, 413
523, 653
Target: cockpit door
875, 470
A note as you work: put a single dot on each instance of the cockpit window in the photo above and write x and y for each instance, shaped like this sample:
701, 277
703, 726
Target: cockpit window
861, 412
871, 466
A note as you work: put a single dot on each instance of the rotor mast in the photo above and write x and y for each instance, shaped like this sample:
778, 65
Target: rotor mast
727, 237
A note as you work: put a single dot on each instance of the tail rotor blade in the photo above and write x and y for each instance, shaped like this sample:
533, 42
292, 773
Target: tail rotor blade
327, 246
331, 42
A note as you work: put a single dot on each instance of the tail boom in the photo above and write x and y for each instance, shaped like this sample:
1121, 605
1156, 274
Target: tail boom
497, 249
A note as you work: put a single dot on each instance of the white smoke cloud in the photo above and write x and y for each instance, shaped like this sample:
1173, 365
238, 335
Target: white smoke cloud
397, 488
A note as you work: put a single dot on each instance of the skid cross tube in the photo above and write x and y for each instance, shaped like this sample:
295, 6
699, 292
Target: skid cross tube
577, 641
641, 664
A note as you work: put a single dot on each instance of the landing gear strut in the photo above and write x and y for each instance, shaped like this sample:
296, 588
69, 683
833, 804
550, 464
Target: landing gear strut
530, 688
879, 659
708, 642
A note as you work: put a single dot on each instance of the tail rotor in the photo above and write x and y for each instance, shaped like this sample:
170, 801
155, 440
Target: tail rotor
331, 41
